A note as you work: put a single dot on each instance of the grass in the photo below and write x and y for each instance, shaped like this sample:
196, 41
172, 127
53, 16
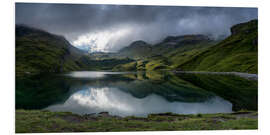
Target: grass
34, 121
89, 63
238, 53
40, 52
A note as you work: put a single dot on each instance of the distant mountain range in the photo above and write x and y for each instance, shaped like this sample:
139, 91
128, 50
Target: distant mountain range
39, 51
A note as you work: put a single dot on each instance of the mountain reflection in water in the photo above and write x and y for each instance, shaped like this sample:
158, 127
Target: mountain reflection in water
117, 102
136, 93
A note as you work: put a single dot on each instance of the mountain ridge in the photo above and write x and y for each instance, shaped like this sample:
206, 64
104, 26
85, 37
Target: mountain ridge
236, 53
40, 51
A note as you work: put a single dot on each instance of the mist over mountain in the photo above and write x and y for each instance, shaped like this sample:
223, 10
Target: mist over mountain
109, 28
238, 52
140, 62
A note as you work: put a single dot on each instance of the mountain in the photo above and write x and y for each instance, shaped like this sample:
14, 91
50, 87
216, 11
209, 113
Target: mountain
168, 54
38, 51
136, 50
141, 49
238, 52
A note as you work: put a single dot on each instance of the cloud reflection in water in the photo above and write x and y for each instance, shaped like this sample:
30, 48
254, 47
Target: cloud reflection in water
117, 102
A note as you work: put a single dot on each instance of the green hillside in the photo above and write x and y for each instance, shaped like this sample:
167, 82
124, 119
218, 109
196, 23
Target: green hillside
38, 51
168, 54
238, 52
136, 50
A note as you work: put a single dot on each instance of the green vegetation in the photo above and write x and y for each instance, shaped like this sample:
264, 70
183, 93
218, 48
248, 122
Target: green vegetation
238, 53
87, 63
164, 56
38, 52
136, 50
42, 53
35, 121
195, 87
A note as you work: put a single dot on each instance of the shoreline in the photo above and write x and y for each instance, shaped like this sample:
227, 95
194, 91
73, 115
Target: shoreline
240, 74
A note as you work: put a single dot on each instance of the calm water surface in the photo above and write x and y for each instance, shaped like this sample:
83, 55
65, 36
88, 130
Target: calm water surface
122, 93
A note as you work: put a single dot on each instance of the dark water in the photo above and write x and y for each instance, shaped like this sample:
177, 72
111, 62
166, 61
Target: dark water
136, 93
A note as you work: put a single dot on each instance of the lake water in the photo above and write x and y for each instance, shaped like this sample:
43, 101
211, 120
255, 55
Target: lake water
135, 93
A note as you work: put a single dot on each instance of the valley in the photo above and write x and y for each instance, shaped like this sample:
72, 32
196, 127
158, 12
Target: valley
51, 53
185, 82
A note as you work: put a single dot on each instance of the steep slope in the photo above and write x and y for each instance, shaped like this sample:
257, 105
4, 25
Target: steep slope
38, 51
238, 52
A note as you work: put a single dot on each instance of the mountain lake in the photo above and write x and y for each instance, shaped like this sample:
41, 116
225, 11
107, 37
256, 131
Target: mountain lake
136, 93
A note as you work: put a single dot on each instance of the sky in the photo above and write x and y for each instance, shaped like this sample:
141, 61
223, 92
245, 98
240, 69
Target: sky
108, 28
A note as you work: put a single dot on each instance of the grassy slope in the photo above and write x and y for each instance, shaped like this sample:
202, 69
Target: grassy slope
185, 53
169, 59
38, 51
45, 121
136, 50
226, 56
239, 52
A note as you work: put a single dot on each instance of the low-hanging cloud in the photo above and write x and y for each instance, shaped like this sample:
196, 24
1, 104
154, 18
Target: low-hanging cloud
111, 27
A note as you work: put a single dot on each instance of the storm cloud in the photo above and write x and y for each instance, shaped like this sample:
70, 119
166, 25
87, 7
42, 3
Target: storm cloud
111, 27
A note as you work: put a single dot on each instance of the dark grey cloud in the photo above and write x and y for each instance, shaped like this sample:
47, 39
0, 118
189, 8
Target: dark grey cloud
114, 26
